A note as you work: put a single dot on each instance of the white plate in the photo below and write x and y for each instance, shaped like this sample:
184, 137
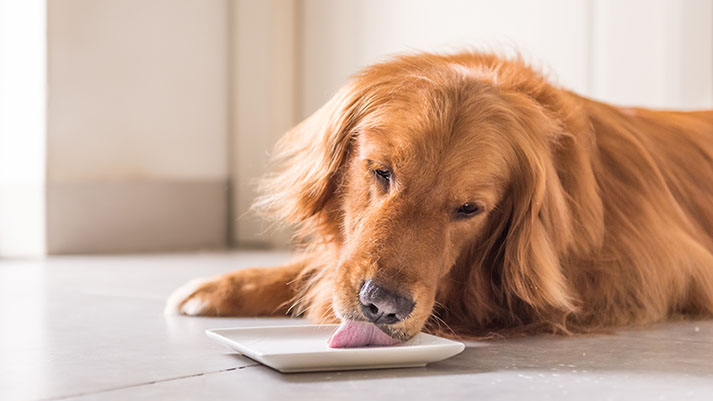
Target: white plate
304, 349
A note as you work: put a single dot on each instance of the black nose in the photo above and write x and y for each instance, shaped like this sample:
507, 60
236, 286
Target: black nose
381, 305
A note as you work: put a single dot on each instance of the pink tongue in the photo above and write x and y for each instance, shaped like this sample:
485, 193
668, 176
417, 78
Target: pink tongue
359, 334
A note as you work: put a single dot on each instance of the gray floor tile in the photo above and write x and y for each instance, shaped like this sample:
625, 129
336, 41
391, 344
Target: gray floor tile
603, 368
78, 325
91, 328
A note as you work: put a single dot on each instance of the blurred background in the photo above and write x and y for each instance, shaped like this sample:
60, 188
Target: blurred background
142, 125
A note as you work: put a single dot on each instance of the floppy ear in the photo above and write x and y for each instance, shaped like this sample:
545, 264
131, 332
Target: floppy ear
539, 227
307, 160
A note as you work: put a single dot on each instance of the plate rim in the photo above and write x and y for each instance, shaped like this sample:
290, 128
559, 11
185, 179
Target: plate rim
455, 345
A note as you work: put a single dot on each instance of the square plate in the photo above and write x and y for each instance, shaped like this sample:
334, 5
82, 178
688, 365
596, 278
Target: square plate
304, 349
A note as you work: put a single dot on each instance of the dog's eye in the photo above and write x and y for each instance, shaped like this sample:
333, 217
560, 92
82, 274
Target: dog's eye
383, 175
467, 210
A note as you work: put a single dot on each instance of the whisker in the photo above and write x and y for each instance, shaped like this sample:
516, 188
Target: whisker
441, 322
326, 312
297, 302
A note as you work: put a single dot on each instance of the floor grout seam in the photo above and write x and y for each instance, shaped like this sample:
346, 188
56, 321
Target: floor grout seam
108, 390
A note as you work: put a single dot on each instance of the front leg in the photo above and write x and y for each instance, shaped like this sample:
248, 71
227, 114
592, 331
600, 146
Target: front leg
245, 292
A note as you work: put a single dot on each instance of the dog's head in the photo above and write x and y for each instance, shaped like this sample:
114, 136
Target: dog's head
421, 164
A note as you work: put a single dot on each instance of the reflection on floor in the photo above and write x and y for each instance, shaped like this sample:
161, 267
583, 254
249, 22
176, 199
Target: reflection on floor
92, 328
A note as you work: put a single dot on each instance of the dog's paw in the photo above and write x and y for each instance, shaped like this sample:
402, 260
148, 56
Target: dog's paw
189, 299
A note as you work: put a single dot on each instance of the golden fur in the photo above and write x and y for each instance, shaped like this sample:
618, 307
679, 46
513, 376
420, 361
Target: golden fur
592, 215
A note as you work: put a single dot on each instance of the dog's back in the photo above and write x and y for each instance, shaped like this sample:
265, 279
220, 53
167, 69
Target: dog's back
655, 176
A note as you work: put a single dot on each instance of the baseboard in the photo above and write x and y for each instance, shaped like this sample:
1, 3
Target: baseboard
136, 216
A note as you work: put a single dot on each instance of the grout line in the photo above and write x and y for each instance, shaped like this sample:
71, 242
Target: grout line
107, 390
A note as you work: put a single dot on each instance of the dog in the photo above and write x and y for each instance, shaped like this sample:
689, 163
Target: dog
465, 194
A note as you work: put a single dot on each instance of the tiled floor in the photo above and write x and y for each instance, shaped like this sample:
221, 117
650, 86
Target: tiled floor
91, 328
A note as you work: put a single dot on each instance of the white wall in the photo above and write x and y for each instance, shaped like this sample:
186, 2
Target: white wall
341, 36
22, 127
137, 132
264, 102
655, 53
137, 89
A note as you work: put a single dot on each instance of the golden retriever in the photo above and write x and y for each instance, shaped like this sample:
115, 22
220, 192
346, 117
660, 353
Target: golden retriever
464, 194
